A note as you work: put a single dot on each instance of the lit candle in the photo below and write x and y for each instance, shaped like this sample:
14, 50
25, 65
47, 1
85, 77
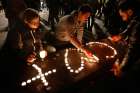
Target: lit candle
40, 75
42, 54
68, 65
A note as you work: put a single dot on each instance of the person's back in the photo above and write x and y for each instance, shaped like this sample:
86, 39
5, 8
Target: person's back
71, 28
65, 26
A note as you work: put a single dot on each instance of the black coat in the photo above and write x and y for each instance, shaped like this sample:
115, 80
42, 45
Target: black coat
19, 44
133, 41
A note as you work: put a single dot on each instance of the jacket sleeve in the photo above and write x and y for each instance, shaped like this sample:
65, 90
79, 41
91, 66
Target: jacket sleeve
133, 47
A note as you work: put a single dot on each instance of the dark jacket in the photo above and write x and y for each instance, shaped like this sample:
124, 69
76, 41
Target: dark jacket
19, 44
133, 41
23, 40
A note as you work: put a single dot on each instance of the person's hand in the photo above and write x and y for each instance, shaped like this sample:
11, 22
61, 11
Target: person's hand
31, 57
90, 55
116, 69
116, 38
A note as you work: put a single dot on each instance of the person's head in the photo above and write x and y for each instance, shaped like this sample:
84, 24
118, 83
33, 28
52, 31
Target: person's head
84, 12
127, 9
31, 18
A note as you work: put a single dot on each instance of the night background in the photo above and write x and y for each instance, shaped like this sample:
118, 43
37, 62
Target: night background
103, 23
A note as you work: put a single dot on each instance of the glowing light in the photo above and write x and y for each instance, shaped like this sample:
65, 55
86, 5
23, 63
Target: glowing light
46, 84
76, 71
39, 76
54, 70
68, 65
23, 84
71, 70
104, 44
96, 58
33, 79
28, 81
46, 74
42, 54
42, 75
49, 72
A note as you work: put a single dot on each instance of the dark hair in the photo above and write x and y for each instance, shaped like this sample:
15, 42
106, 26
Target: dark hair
85, 9
30, 14
128, 4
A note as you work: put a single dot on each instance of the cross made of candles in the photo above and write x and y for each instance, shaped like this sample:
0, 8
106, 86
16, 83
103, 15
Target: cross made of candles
39, 76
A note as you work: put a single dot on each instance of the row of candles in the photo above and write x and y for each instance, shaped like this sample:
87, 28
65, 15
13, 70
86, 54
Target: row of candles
43, 54
40, 75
